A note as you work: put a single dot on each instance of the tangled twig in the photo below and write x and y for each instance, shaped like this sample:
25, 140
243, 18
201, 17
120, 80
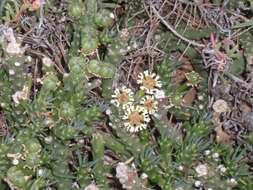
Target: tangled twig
174, 31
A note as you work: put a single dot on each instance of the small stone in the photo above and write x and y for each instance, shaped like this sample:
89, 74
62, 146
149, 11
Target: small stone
202, 170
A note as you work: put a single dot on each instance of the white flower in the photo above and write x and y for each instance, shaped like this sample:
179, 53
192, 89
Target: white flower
149, 82
136, 118
150, 104
14, 48
202, 170
122, 97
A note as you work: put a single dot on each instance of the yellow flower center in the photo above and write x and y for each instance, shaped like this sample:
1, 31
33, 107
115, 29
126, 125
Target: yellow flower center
123, 98
135, 118
149, 104
149, 82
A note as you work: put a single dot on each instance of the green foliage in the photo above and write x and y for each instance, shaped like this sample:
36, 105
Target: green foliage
65, 134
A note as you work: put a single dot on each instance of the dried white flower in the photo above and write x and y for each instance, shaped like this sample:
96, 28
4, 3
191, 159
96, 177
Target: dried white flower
127, 175
220, 106
122, 172
14, 48
202, 170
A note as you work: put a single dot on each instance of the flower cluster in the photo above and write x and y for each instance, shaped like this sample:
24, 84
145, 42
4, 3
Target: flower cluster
137, 110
